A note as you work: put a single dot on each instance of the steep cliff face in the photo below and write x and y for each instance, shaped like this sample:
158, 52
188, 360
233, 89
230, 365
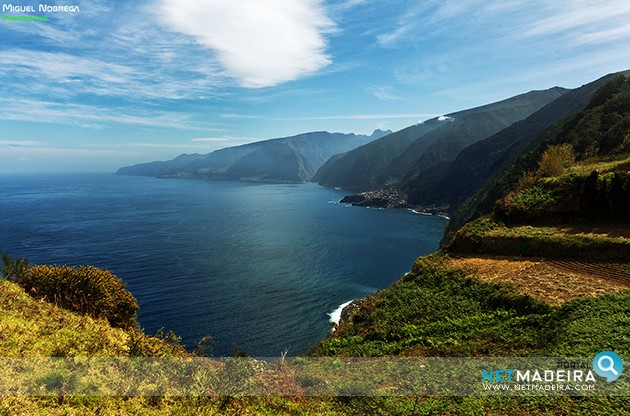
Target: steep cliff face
416, 151
363, 168
453, 183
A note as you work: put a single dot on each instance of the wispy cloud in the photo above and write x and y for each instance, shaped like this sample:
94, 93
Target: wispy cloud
346, 5
580, 17
383, 93
261, 44
170, 146
538, 18
240, 116
90, 116
19, 143
61, 74
383, 116
223, 139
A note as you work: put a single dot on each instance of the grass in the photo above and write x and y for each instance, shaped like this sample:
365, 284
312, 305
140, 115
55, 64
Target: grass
436, 310
36, 328
484, 236
553, 282
613, 163
441, 311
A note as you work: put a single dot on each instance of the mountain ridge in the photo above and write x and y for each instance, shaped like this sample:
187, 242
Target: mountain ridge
388, 160
293, 159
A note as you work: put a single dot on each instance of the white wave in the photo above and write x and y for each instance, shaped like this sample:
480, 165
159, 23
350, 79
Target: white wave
335, 316
420, 212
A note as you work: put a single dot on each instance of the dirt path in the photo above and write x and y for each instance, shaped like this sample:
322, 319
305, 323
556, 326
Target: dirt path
553, 282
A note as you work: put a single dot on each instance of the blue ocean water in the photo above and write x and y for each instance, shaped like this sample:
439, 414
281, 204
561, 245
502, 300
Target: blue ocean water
259, 267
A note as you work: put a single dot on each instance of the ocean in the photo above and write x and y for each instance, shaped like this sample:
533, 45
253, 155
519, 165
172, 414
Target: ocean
260, 268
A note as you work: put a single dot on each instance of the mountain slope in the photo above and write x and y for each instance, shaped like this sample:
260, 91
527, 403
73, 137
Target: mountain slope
359, 169
600, 129
454, 183
394, 157
293, 158
563, 226
276, 161
465, 129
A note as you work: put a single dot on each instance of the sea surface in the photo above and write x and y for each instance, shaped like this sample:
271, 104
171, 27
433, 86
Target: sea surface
258, 267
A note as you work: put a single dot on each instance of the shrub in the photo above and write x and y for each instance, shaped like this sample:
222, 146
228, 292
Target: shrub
556, 160
89, 290
528, 204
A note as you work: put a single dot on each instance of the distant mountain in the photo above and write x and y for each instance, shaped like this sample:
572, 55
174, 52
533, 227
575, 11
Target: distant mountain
417, 150
160, 168
288, 159
453, 183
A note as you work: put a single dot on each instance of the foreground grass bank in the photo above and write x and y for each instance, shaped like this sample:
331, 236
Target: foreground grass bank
436, 310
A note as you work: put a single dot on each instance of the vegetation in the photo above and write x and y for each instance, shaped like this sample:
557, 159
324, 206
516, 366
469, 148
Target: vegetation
12, 269
88, 290
33, 328
597, 133
440, 311
437, 311
556, 160
501, 322
68, 324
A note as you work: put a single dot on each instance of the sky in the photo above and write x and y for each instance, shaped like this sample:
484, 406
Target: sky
117, 83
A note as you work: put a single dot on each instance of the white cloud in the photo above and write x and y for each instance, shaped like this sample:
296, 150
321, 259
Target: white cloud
347, 5
384, 93
259, 43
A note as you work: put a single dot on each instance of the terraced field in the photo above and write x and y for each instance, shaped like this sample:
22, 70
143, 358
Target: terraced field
551, 281
619, 272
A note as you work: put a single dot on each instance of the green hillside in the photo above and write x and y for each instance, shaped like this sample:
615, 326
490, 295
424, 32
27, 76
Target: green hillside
452, 184
597, 132
417, 148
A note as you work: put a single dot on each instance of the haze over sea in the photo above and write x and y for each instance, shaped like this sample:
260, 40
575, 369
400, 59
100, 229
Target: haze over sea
259, 267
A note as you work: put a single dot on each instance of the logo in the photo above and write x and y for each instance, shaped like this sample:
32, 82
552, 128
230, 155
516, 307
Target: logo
609, 365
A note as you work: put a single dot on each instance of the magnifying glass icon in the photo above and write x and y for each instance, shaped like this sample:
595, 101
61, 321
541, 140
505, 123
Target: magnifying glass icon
610, 367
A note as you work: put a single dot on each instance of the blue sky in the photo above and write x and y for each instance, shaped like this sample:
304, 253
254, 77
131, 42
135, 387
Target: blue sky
124, 82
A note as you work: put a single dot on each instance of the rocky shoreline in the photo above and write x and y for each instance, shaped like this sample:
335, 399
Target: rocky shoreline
390, 198
348, 311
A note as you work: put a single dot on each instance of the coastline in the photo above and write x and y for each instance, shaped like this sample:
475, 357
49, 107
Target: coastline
335, 316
